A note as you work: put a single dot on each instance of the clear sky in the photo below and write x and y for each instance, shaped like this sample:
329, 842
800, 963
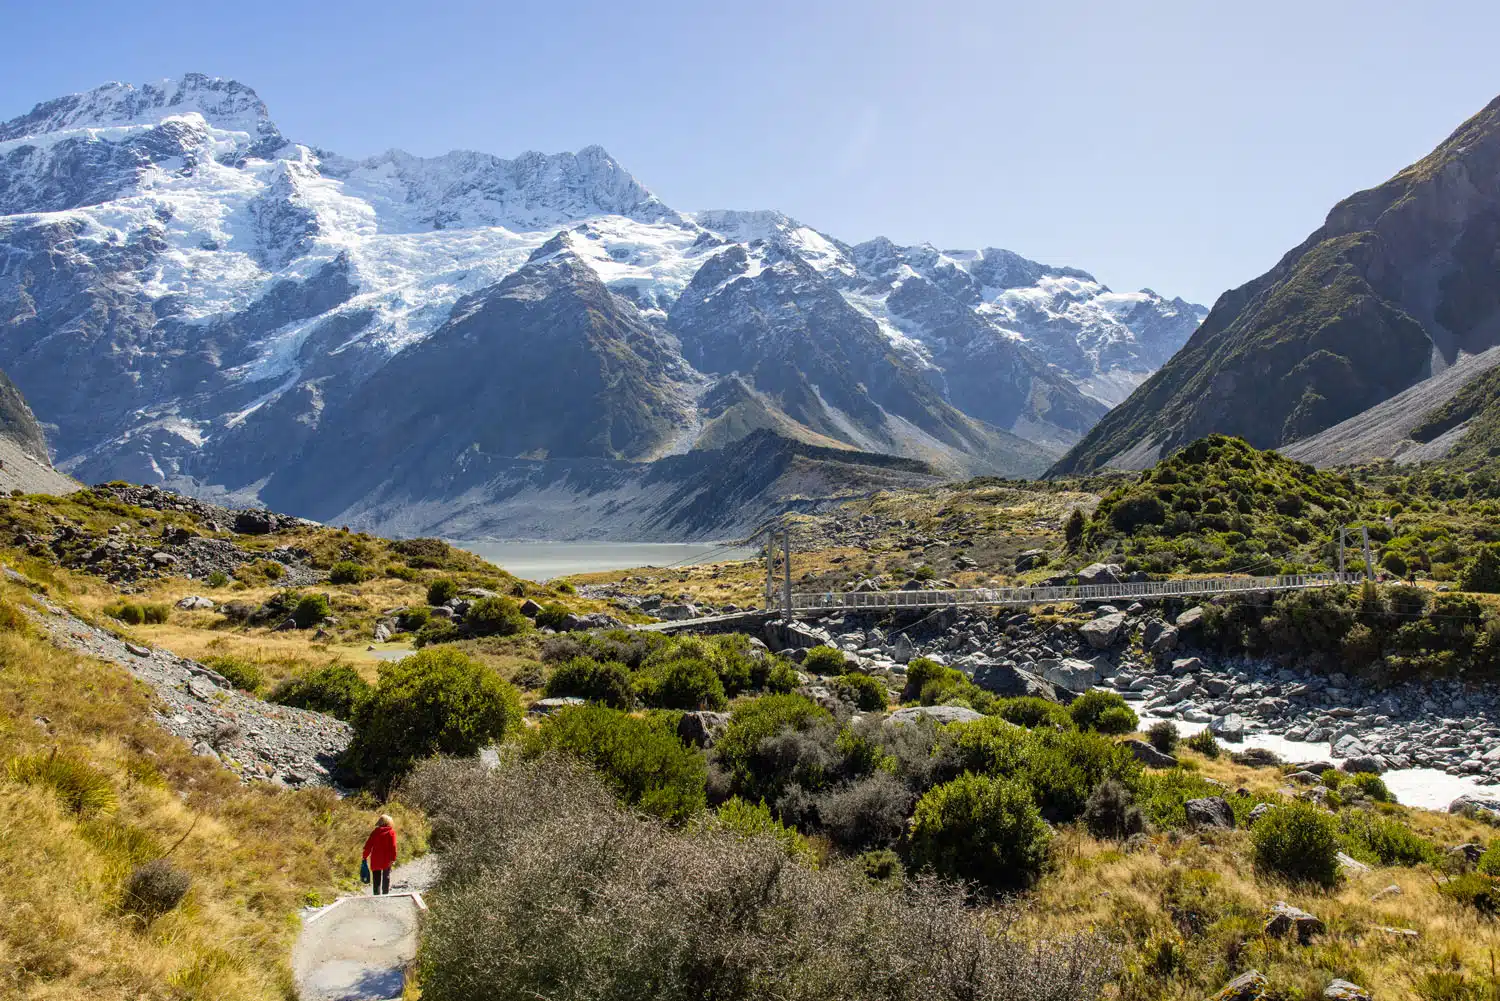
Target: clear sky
1178, 145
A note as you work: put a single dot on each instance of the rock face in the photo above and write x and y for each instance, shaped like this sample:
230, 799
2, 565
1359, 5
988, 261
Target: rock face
277, 299
1393, 287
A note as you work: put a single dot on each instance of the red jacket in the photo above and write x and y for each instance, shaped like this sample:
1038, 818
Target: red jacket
380, 848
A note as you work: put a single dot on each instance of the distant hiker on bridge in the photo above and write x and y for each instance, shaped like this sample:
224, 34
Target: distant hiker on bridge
380, 854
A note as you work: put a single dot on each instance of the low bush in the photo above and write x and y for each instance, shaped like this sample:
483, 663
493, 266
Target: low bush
586, 678
217, 579
239, 672
436, 631
433, 702
1370, 786
155, 888
1117, 720
739, 750
1063, 770
867, 694
868, 813
1164, 736
1032, 712
824, 660
782, 678
349, 572
413, 619
1476, 890
1298, 842
1089, 709
1111, 812
495, 617
335, 690
552, 616
755, 820
1383, 840
82, 788
310, 610
922, 672
1204, 743
680, 683
442, 591
134, 614
981, 828
641, 759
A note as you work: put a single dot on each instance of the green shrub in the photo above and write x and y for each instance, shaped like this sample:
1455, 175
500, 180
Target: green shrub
867, 694
1383, 840
1032, 712
335, 689
1164, 736
442, 591
1476, 890
738, 750
135, 614
349, 572
1482, 572
1298, 842
437, 631
681, 683
310, 610
413, 619
921, 672
218, 579
586, 678
564, 587
1117, 719
495, 617
824, 660
1372, 786
1064, 768
552, 616
81, 787
882, 866
782, 679
155, 888
239, 672
641, 759
1204, 743
433, 702
1163, 794
1111, 812
981, 828
990, 746
1088, 711
755, 820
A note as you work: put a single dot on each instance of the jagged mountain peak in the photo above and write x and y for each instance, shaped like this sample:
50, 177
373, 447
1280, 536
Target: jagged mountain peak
224, 104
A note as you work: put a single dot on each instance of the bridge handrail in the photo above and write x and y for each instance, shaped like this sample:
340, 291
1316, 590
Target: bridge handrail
817, 601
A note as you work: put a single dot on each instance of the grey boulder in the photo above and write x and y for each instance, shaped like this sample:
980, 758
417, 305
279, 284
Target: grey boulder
1209, 811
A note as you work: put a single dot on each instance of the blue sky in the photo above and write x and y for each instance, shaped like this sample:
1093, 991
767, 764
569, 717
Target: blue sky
1184, 146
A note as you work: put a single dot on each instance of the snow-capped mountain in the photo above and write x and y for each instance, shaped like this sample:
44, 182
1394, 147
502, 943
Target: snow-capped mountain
187, 296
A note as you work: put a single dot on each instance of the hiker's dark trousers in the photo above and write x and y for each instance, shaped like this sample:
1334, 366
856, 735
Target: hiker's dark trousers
380, 881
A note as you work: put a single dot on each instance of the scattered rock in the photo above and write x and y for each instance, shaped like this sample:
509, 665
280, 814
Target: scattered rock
1343, 990
1190, 619
529, 608
1248, 986
1101, 573
139, 651
196, 603
1372, 764
552, 705
1390, 891
1150, 756
1230, 727
1102, 632
1257, 812
1286, 919
1209, 811
1351, 865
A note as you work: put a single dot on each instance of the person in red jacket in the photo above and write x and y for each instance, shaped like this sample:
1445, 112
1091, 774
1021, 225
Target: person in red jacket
380, 849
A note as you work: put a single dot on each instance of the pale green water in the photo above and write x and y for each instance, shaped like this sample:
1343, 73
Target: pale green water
542, 561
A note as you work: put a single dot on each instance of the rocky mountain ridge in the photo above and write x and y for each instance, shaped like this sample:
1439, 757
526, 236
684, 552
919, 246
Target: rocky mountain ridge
1396, 287
193, 300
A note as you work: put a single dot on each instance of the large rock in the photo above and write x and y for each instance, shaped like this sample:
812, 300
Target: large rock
551, 705
1286, 920
1150, 756
1159, 638
196, 603
1190, 619
528, 607
677, 612
1343, 990
1013, 682
701, 728
1102, 632
938, 714
1075, 675
1229, 727
1373, 764
1101, 573
1349, 746
1469, 804
1210, 811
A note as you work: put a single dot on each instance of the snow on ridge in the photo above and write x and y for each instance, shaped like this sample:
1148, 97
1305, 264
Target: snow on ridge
226, 104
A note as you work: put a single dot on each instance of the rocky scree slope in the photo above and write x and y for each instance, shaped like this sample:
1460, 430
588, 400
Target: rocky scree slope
1396, 286
191, 299
24, 462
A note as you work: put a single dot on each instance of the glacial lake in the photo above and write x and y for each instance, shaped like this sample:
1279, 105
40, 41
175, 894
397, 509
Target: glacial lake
542, 561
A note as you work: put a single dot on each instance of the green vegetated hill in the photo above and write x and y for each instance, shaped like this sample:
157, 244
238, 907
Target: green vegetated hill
1397, 275
1478, 405
1220, 505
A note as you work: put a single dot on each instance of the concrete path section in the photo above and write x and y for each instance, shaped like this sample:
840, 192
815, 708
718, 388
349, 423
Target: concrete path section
358, 948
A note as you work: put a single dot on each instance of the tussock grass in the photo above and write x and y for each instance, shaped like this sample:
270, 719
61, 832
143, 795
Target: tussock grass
254, 854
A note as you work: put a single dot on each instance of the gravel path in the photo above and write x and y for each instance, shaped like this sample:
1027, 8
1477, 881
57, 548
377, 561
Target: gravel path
253, 738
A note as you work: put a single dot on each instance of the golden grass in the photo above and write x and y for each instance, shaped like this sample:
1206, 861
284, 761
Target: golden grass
1188, 911
256, 854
